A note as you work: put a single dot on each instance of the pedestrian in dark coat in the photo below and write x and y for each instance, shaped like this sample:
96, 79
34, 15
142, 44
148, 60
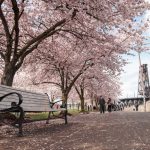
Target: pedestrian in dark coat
136, 105
101, 102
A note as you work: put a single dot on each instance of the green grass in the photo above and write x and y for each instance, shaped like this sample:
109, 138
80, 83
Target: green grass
73, 111
37, 116
44, 115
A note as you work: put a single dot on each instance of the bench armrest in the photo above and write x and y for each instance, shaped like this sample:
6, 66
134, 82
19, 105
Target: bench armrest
13, 103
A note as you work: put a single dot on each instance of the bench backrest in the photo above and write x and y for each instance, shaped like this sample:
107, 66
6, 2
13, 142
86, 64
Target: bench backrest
32, 102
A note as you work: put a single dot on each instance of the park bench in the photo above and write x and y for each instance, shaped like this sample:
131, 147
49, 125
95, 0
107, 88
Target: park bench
14, 100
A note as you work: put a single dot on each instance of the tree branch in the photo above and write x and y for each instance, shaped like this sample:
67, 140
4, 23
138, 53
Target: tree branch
4, 22
42, 36
7, 33
46, 82
16, 25
18, 19
25, 54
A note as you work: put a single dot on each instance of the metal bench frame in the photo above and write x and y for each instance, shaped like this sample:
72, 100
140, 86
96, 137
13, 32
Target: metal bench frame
15, 108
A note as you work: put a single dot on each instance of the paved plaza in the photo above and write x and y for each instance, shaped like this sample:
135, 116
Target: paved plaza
94, 131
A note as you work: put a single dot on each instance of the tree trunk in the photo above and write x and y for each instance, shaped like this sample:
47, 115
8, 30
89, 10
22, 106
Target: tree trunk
92, 99
64, 97
8, 75
82, 104
96, 102
64, 103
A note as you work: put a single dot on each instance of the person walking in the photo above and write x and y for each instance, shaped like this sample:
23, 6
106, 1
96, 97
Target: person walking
101, 102
109, 105
136, 105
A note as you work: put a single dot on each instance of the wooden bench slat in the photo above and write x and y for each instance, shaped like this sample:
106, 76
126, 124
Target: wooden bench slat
25, 95
43, 101
17, 90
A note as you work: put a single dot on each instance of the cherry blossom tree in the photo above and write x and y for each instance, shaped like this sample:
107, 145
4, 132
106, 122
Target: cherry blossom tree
63, 65
26, 24
21, 33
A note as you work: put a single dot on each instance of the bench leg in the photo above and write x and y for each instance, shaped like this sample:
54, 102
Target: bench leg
49, 116
21, 118
66, 121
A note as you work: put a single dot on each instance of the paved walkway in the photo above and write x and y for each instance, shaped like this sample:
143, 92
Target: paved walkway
115, 131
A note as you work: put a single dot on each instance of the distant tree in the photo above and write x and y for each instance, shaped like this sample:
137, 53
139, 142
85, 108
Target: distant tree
98, 80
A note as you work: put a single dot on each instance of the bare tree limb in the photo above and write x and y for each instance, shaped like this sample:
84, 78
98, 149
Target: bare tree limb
46, 82
16, 25
42, 36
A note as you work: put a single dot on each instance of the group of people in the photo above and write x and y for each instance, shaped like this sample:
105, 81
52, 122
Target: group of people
102, 104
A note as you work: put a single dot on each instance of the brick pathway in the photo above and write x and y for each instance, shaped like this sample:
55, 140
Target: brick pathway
115, 131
